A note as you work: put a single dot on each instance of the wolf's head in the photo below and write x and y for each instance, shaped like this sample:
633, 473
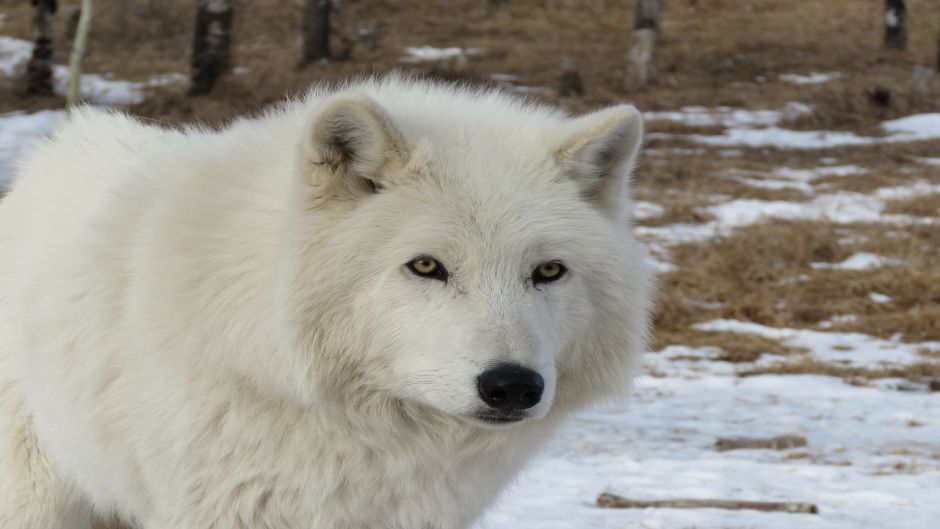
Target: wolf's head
465, 253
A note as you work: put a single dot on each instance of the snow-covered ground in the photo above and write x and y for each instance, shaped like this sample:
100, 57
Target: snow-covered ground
873, 454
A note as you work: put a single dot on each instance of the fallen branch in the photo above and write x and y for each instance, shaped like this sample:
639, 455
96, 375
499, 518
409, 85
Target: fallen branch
613, 501
781, 442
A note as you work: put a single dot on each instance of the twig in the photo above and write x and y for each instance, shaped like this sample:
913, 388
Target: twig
781, 442
617, 502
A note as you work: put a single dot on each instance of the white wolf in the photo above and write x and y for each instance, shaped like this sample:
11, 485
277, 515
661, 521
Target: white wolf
363, 310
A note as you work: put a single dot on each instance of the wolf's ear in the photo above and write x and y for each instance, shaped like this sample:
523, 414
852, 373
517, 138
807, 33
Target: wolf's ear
598, 150
350, 141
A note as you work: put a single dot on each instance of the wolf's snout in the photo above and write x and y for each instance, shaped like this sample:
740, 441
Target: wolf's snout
509, 387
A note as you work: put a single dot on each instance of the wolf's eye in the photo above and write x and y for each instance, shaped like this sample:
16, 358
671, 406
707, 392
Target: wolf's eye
548, 272
429, 267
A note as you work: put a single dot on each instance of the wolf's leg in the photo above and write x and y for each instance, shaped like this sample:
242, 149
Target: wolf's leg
32, 496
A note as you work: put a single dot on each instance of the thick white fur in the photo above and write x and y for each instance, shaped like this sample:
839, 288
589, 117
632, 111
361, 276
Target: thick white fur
216, 330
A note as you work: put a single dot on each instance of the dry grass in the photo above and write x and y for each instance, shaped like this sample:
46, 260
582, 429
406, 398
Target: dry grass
922, 206
763, 274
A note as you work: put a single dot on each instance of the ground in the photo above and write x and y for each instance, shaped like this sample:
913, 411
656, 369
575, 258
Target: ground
795, 223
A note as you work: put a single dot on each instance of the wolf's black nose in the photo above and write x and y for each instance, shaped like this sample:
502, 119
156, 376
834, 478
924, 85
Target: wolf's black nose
509, 387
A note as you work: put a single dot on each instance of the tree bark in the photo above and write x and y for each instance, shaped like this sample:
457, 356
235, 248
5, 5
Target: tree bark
317, 30
39, 68
643, 67
895, 25
938, 63
78, 52
212, 42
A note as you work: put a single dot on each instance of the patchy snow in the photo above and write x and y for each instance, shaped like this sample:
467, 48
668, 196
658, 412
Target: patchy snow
879, 298
872, 459
430, 53
858, 261
13, 54
915, 127
809, 175
646, 210
848, 349
929, 161
759, 128
18, 133
842, 207
812, 78
783, 138
728, 116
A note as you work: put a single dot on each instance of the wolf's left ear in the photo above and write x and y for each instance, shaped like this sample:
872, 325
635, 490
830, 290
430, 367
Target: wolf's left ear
350, 142
598, 150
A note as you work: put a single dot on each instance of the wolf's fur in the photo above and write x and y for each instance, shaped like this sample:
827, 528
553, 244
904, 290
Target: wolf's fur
204, 329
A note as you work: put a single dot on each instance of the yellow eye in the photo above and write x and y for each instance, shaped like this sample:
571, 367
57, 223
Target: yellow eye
425, 266
548, 272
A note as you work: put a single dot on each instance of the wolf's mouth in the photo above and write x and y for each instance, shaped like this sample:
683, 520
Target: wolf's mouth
498, 418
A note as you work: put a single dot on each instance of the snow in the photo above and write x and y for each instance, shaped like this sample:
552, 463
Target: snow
879, 298
812, 78
660, 445
430, 53
848, 349
13, 53
858, 261
696, 116
760, 128
647, 210
916, 127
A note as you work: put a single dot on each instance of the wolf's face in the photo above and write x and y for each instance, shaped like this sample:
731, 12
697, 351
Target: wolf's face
481, 276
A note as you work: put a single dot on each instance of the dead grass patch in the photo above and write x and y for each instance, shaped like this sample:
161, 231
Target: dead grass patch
753, 275
735, 347
921, 206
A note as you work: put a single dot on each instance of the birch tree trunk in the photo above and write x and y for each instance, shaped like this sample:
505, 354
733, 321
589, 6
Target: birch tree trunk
317, 30
78, 52
212, 42
39, 67
895, 25
642, 67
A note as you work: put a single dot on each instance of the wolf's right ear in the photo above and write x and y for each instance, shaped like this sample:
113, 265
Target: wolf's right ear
349, 143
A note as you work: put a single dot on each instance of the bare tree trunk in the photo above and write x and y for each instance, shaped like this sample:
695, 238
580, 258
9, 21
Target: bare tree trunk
212, 42
938, 50
39, 68
643, 68
895, 25
78, 51
317, 30
570, 82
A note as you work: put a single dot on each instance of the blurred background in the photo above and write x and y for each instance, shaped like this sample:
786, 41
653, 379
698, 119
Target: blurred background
788, 191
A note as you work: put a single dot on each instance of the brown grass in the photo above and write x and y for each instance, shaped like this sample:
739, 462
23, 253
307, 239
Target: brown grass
921, 206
